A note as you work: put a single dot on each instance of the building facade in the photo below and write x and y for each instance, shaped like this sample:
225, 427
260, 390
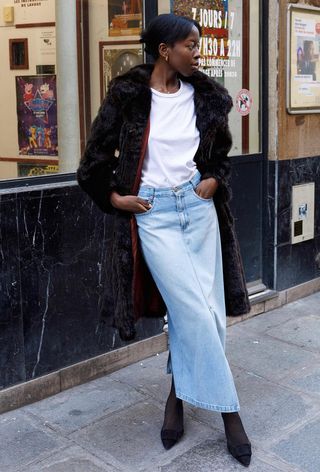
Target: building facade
57, 60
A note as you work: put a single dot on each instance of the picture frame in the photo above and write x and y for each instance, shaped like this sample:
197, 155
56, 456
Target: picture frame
18, 53
303, 59
116, 58
125, 18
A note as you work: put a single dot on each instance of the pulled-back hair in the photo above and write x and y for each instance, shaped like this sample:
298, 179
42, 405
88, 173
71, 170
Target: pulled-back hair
166, 28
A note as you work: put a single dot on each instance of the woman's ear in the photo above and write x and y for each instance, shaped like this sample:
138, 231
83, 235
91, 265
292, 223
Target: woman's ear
163, 50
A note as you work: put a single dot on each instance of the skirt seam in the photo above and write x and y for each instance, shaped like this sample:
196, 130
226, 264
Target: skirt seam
207, 406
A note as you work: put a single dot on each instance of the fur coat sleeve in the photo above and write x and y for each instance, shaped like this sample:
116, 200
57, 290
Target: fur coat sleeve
96, 172
217, 164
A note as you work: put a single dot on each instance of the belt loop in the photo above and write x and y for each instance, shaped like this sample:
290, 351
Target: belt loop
193, 180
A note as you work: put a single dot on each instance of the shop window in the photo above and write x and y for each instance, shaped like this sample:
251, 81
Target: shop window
231, 53
114, 32
108, 34
28, 92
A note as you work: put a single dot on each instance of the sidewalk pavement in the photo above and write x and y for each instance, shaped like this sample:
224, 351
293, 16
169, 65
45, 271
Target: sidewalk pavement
113, 423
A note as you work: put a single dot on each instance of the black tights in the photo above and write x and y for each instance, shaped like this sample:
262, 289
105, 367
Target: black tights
173, 419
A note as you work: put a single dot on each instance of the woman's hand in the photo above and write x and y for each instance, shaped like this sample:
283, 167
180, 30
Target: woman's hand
129, 203
207, 187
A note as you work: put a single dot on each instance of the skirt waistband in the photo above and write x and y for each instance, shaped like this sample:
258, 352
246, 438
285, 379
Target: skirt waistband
189, 184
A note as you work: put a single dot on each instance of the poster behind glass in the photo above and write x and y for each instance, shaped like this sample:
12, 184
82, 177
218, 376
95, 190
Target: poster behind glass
219, 51
125, 17
303, 60
37, 115
117, 59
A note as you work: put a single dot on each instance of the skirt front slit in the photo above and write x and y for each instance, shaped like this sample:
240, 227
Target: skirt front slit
180, 242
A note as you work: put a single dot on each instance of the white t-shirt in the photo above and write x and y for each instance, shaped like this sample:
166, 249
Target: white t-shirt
173, 140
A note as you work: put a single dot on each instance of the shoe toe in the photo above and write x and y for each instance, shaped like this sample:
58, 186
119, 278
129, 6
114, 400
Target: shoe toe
242, 453
169, 437
245, 460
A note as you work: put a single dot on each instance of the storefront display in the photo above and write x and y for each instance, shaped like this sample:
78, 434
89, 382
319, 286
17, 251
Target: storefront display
53, 238
230, 53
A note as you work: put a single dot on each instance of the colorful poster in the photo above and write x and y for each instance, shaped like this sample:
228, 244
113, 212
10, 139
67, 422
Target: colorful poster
304, 60
125, 17
37, 115
219, 51
34, 170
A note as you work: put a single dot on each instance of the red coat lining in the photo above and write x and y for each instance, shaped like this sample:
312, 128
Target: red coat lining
146, 296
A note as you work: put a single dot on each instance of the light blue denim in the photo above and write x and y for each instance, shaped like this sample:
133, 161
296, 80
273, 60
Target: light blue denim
180, 241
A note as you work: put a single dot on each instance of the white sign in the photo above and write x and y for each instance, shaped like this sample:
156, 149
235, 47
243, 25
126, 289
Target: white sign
33, 11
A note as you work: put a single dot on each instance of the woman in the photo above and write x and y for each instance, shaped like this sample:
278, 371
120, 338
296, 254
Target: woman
156, 160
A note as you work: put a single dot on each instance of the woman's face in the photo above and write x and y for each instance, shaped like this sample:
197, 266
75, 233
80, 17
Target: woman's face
184, 55
310, 51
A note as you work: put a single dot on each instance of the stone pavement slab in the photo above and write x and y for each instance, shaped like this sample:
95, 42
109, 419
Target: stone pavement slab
301, 447
306, 379
299, 331
73, 459
264, 355
295, 310
209, 456
22, 439
69, 412
132, 436
148, 376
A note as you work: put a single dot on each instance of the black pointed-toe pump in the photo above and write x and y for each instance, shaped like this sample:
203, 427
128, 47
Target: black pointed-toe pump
169, 437
242, 452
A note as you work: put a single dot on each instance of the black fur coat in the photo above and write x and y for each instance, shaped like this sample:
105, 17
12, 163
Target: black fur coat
113, 160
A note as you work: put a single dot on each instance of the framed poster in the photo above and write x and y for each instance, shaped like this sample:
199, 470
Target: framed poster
303, 60
125, 17
116, 58
37, 115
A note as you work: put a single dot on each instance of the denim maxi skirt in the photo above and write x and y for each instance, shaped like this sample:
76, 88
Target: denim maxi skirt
180, 242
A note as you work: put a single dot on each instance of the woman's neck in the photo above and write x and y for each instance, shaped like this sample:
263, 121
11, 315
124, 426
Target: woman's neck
164, 79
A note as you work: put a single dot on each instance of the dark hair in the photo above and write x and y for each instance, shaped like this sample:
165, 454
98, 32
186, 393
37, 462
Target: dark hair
166, 28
